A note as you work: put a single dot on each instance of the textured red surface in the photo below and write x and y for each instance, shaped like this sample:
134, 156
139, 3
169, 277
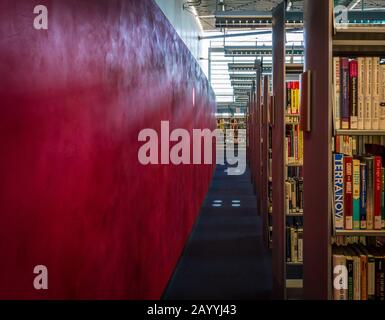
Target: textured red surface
73, 195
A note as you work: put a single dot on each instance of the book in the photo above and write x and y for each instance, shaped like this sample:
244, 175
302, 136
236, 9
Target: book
353, 94
369, 192
375, 93
340, 276
381, 94
348, 192
383, 198
368, 94
377, 193
337, 92
363, 196
356, 193
360, 93
300, 244
344, 94
338, 191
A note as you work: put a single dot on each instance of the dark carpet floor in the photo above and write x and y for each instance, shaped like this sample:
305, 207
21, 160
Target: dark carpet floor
225, 257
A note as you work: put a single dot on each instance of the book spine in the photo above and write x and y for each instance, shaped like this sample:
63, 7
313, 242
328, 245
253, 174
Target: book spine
294, 245
371, 278
287, 196
288, 244
369, 194
363, 196
292, 94
300, 245
375, 112
339, 191
383, 199
368, 76
350, 267
345, 114
337, 92
298, 97
357, 278
382, 96
375, 94
368, 94
348, 192
340, 278
360, 93
356, 194
377, 192
379, 276
376, 76
364, 279
288, 98
353, 94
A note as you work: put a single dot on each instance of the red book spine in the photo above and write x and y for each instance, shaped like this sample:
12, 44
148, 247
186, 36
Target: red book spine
338, 147
377, 192
348, 192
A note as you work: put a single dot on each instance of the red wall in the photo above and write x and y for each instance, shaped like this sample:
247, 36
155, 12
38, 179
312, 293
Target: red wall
73, 195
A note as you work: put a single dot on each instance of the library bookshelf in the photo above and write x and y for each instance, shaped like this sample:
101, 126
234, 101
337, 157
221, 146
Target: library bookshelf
330, 246
287, 152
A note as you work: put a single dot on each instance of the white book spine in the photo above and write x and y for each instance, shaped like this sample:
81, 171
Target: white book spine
375, 76
375, 92
375, 112
367, 94
361, 114
368, 112
368, 77
381, 89
360, 94
337, 86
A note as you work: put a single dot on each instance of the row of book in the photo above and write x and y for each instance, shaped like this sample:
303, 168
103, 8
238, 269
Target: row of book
359, 93
294, 195
294, 244
359, 272
356, 145
359, 193
294, 144
294, 172
293, 97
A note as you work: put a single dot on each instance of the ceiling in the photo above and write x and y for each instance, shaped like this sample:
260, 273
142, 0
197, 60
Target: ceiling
206, 10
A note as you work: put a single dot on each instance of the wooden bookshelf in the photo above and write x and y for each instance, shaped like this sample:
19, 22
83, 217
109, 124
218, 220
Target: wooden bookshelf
265, 156
282, 120
322, 43
278, 168
317, 167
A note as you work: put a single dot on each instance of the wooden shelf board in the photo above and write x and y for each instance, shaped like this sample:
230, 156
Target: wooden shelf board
294, 263
292, 115
296, 214
342, 132
294, 283
363, 233
294, 164
360, 29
